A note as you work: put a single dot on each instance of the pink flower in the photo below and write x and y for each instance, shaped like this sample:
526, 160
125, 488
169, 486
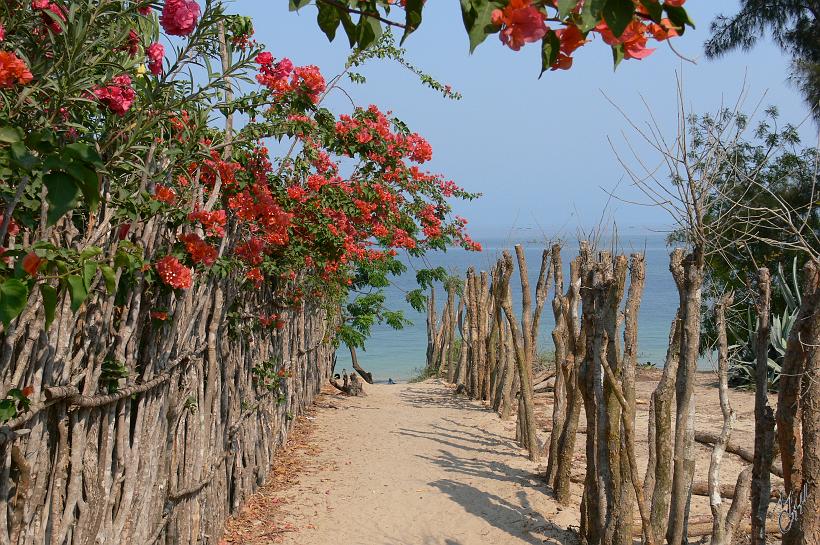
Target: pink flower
155, 53
144, 10
522, 23
2, 32
179, 17
119, 96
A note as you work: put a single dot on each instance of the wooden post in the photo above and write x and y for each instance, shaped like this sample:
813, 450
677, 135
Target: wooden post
576, 354
689, 278
522, 353
764, 417
560, 338
792, 397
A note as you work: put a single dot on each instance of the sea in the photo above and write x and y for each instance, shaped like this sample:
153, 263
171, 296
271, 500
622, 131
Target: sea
400, 354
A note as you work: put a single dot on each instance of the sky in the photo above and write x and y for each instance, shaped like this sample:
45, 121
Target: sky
537, 149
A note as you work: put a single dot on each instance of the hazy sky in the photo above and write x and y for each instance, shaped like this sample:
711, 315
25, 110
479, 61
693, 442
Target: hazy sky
536, 149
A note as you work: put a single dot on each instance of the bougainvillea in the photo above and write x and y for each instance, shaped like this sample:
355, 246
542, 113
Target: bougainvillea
560, 25
165, 202
174, 273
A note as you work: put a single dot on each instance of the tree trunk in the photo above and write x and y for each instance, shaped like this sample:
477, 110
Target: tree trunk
658, 482
560, 335
790, 402
716, 505
576, 352
432, 321
811, 412
522, 353
367, 376
764, 417
689, 279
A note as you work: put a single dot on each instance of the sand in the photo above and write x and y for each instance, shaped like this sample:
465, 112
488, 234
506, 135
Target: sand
415, 464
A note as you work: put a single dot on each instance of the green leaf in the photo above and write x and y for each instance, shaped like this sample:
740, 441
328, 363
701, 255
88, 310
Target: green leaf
294, 5
49, 302
618, 14
13, 297
110, 278
350, 28
369, 30
565, 7
550, 47
617, 54
328, 19
88, 182
654, 9
477, 17
89, 271
591, 14
679, 17
62, 194
412, 18
22, 157
84, 153
10, 135
8, 409
78, 291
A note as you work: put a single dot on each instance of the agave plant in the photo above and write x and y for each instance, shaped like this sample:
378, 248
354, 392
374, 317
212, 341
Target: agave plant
743, 355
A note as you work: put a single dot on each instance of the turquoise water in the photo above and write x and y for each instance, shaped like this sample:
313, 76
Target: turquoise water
399, 354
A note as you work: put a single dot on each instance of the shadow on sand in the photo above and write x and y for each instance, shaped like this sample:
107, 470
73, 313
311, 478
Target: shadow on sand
461, 443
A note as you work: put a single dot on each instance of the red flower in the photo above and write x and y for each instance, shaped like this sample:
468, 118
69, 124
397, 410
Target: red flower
521, 23
119, 96
2, 32
255, 276
164, 194
31, 263
179, 17
199, 250
13, 71
633, 39
122, 231
144, 10
571, 39
174, 273
310, 79
155, 53
132, 43
50, 19
159, 315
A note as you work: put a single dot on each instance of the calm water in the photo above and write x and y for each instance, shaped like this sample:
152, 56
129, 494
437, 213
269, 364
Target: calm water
399, 354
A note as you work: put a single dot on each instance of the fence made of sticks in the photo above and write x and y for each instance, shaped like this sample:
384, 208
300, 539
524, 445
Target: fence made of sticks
595, 337
147, 431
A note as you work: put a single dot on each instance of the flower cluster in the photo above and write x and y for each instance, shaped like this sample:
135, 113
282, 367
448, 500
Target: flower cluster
13, 71
174, 273
199, 250
522, 22
282, 77
179, 17
51, 14
118, 96
155, 53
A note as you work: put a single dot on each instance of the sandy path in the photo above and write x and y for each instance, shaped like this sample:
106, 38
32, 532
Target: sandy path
414, 464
